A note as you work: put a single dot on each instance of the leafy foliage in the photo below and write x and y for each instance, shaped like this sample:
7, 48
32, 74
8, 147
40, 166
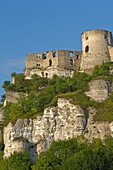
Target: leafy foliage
70, 154
43, 92
13, 74
37, 99
17, 161
105, 111
2, 98
78, 154
103, 71
1, 105
6, 84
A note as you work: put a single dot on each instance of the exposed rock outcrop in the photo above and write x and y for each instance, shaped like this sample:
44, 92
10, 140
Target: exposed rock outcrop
58, 123
99, 90
97, 129
1, 121
13, 97
50, 71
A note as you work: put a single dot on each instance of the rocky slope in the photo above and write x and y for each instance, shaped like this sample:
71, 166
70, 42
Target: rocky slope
58, 123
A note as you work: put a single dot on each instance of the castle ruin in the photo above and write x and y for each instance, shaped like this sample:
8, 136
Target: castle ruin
97, 47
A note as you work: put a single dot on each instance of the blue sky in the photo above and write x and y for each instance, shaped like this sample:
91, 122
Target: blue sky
29, 26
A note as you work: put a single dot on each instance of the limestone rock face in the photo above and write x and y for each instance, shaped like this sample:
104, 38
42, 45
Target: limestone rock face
99, 90
1, 114
58, 123
13, 97
50, 71
97, 129
1, 121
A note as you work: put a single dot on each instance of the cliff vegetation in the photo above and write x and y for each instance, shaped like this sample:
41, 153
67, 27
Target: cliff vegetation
76, 153
43, 92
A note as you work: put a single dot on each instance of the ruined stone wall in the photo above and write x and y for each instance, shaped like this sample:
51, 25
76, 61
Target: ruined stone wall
95, 48
30, 63
45, 58
62, 58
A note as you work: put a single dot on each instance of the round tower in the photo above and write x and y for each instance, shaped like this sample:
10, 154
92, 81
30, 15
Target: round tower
95, 48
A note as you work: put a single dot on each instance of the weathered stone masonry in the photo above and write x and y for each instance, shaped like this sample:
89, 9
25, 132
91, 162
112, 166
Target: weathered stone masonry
63, 60
97, 47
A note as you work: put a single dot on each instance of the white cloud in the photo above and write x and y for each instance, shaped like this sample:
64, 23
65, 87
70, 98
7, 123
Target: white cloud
6, 66
9, 66
19, 62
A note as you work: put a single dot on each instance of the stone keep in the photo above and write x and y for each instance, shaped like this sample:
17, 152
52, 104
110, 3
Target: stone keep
95, 48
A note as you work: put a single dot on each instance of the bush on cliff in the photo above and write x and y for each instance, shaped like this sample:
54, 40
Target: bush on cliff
42, 91
17, 161
78, 154
62, 84
103, 71
36, 101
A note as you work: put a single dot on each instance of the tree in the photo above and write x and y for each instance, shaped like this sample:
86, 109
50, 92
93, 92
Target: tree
2, 98
6, 84
13, 74
17, 161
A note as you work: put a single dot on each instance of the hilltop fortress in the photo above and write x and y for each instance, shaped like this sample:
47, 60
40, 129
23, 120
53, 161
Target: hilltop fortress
97, 47
69, 118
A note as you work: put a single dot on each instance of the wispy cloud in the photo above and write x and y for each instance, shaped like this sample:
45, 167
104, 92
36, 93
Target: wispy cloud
12, 64
9, 66
19, 62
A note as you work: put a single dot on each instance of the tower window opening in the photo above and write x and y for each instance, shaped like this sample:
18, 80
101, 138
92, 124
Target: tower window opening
38, 56
71, 54
87, 49
54, 54
71, 62
77, 57
105, 36
50, 62
44, 56
86, 37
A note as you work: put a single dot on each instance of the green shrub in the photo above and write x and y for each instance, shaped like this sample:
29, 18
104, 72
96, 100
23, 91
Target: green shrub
78, 154
17, 161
